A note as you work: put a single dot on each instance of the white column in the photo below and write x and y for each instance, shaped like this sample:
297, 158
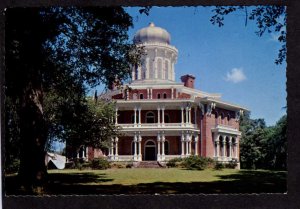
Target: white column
224, 144
78, 154
190, 144
116, 147
116, 116
150, 93
196, 144
217, 148
163, 116
230, 147
135, 116
190, 116
139, 72
135, 153
83, 155
182, 144
182, 117
186, 115
133, 74
112, 148
172, 93
140, 147
158, 116
158, 146
163, 147
187, 144
140, 119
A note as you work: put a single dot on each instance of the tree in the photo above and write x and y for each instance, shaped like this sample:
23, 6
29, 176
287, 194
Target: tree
52, 56
267, 18
262, 146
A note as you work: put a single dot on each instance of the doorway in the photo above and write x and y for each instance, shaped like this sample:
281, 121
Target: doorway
150, 151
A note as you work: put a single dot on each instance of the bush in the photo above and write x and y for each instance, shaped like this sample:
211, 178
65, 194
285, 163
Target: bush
197, 163
12, 167
99, 163
232, 164
219, 166
175, 162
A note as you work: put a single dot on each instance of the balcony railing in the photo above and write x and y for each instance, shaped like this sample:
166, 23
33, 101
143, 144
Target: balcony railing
157, 125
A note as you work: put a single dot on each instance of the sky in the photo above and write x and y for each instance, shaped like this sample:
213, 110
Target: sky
231, 60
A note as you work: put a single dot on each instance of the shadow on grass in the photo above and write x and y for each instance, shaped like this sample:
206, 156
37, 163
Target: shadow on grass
245, 181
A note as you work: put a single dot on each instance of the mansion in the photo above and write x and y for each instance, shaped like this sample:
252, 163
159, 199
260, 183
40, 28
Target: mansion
161, 119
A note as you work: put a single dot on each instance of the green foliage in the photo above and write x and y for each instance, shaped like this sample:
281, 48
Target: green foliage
219, 166
231, 164
59, 53
197, 163
12, 166
261, 146
99, 164
174, 162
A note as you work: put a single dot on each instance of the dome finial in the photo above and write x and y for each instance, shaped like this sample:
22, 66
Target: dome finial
151, 24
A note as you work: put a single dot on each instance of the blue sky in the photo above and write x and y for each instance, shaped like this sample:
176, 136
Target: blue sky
231, 60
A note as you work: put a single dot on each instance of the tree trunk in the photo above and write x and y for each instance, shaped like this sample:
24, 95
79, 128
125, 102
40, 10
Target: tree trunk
32, 172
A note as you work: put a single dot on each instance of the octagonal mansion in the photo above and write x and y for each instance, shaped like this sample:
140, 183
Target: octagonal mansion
163, 119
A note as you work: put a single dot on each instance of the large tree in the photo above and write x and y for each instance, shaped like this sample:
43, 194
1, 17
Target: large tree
53, 56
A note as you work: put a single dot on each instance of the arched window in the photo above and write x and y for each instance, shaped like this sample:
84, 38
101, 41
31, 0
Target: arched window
227, 147
222, 118
167, 148
221, 146
158, 96
166, 70
150, 118
228, 118
165, 95
141, 96
136, 71
216, 117
159, 67
151, 70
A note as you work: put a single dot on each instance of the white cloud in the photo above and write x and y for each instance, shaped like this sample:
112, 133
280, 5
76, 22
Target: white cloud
236, 75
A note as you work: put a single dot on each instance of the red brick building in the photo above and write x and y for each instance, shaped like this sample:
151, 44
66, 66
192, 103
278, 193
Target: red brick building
162, 119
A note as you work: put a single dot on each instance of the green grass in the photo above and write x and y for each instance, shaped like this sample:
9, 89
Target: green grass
163, 181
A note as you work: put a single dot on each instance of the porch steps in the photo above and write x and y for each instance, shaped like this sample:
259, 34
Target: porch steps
150, 164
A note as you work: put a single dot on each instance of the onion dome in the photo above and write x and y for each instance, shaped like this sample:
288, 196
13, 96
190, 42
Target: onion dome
152, 34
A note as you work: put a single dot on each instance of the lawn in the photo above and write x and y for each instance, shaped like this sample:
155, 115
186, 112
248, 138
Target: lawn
162, 181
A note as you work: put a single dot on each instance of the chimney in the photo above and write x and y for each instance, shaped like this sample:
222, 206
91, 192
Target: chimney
188, 80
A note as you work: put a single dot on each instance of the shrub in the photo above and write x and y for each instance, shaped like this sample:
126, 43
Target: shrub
197, 163
232, 164
219, 166
12, 167
118, 165
175, 162
100, 163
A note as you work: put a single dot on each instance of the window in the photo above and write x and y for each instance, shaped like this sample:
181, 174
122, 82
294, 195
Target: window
166, 70
158, 96
150, 118
132, 118
159, 67
141, 96
165, 95
216, 117
167, 118
222, 118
